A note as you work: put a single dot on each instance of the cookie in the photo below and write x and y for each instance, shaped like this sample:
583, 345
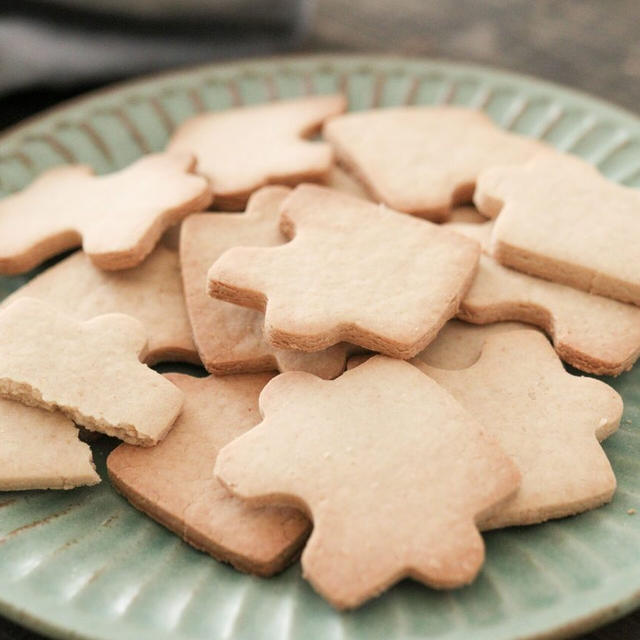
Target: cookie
392, 470
342, 181
41, 450
229, 338
546, 420
459, 344
466, 214
171, 237
241, 150
592, 333
563, 221
150, 292
423, 160
173, 482
116, 218
354, 272
88, 370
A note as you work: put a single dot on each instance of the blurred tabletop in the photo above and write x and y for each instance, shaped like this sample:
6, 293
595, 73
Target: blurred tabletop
592, 45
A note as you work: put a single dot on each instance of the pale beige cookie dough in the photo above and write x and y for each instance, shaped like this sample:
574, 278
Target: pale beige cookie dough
354, 271
392, 470
593, 333
150, 292
230, 338
546, 420
88, 370
560, 219
173, 482
117, 218
41, 450
240, 150
423, 160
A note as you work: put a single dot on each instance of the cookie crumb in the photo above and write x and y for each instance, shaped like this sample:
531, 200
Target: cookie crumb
631, 512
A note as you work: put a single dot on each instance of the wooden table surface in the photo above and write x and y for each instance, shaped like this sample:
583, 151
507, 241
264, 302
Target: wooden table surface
593, 45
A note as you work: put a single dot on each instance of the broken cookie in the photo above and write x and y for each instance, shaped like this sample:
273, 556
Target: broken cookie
89, 371
41, 450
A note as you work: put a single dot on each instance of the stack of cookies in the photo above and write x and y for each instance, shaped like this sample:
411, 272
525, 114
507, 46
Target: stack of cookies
420, 340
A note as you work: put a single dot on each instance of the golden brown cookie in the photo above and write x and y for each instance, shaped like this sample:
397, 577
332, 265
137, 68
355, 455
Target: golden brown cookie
561, 220
173, 482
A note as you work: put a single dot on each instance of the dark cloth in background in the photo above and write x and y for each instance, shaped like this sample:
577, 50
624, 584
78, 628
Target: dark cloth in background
53, 49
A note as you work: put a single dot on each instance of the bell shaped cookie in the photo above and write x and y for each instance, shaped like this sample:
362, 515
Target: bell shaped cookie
230, 338
546, 420
423, 160
392, 470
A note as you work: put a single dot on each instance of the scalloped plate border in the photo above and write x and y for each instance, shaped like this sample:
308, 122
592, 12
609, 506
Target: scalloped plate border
624, 595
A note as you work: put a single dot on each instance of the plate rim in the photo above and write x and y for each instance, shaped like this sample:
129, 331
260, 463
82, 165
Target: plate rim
14, 131
14, 134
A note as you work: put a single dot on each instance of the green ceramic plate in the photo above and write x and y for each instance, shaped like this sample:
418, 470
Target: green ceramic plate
85, 563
